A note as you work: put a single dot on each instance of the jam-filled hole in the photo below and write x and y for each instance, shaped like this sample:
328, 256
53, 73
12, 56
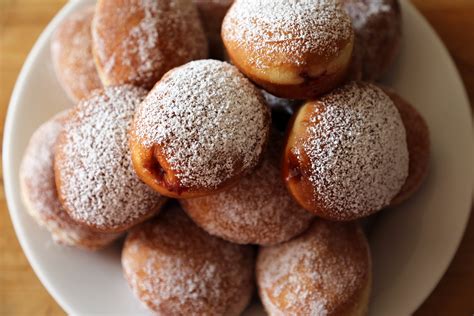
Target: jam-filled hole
294, 168
155, 168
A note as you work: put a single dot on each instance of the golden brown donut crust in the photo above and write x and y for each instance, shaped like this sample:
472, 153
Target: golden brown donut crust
176, 268
257, 210
40, 196
418, 141
200, 129
95, 179
346, 155
309, 88
377, 26
287, 58
71, 53
325, 271
136, 41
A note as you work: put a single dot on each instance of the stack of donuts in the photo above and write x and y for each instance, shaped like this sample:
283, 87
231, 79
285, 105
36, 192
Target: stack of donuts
251, 170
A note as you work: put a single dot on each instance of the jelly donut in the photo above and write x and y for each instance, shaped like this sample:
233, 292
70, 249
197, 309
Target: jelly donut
71, 53
138, 41
201, 128
39, 193
295, 50
377, 28
325, 271
176, 268
94, 175
418, 141
346, 154
212, 13
258, 210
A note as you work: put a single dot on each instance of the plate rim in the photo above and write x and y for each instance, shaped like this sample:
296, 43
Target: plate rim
422, 20
7, 140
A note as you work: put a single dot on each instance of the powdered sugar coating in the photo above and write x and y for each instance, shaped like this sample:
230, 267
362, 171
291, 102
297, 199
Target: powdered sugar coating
71, 50
325, 271
292, 28
40, 195
137, 41
258, 210
96, 180
377, 25
176, 268
357, 151
363, 10
207, 119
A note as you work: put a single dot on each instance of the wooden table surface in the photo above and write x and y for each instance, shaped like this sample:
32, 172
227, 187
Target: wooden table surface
21, 22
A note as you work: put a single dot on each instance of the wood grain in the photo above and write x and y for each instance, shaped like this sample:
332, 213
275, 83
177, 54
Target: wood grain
21, 22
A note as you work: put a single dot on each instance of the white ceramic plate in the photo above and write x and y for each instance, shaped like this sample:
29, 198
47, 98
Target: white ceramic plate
412, 246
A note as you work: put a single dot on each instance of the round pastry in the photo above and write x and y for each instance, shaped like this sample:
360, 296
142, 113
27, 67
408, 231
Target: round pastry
137, 41
418, 141
377, 26
39, 191
199, 130
71, 52
258, 210
346, 155
212, 13
325, 271
94, 175
295, 50
176, 268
